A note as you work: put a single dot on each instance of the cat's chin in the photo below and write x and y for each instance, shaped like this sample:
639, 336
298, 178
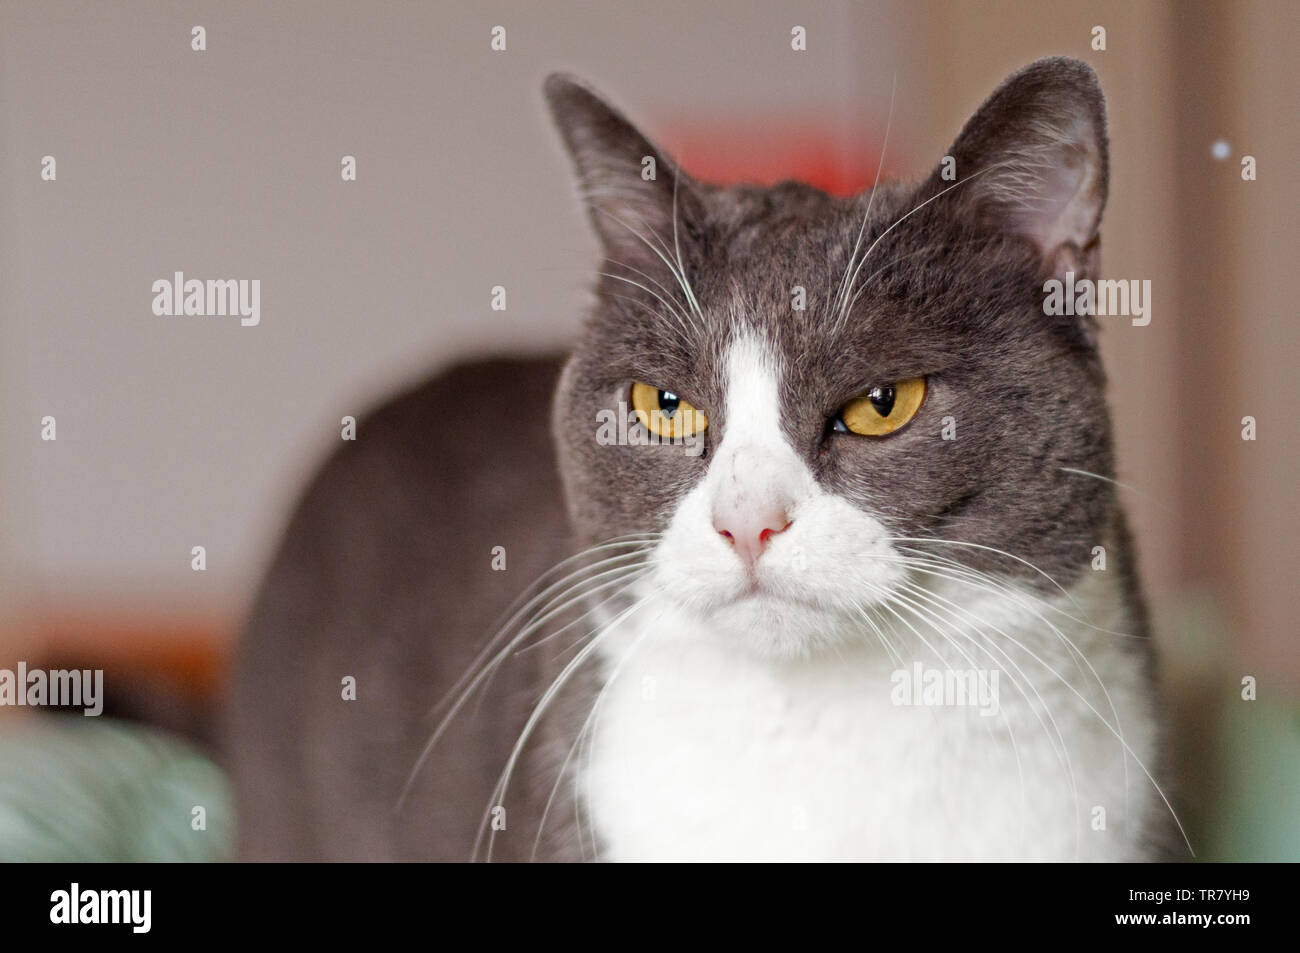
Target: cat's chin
774, 625
771, 614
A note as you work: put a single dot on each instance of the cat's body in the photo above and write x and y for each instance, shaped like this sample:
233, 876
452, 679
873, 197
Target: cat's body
735, 655
386, 577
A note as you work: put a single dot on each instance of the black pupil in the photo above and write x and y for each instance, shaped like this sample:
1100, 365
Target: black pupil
668, 402
882, 398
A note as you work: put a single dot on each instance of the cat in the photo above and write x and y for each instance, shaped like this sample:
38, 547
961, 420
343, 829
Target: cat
749, 619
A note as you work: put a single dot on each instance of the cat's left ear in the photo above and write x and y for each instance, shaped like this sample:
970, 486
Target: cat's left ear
634, 191
1033, 161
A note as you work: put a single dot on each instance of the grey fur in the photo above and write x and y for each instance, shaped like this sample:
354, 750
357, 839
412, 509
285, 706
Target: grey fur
383, 573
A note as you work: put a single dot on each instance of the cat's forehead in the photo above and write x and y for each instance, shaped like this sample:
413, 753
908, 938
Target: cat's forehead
793, 223
793, 258
876, 284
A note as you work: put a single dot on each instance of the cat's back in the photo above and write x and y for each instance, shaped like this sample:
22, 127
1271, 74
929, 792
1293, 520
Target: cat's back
397, 565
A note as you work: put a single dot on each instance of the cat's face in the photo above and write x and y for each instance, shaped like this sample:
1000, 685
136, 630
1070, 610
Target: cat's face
878, 388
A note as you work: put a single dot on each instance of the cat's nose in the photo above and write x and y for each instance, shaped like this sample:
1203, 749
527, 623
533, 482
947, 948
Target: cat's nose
749, 528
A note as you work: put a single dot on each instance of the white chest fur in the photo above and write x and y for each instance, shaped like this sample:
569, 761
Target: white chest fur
701, 752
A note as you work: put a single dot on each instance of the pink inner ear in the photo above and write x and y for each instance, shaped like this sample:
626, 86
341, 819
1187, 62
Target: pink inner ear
1066, 209
1055, 194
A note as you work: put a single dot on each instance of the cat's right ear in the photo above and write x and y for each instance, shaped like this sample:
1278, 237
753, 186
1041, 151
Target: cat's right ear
635, 193
1032, 161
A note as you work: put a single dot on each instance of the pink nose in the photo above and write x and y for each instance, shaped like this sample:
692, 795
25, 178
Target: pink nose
748, 528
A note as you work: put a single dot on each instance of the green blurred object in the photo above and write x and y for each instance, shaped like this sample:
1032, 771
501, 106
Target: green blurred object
74, 788
1260, 820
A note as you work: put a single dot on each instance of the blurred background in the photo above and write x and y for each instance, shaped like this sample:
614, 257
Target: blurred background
179, 432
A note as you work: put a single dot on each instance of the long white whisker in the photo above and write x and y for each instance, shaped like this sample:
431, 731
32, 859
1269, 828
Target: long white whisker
680, 278
678, 330
845, 283
1018, 596
1062, 752
1011, 734
1116, 483
1111, 728
588, 729
1078, 656
557, 684
621, 574
677, 248
673, 305
635, 545
918, 208
991, 549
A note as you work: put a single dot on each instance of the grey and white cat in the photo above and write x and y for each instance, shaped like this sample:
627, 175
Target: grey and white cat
829, 592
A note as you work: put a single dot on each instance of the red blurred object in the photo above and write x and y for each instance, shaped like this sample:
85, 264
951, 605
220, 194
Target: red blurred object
765, 152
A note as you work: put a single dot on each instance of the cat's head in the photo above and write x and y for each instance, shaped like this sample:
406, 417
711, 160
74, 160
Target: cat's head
826, 389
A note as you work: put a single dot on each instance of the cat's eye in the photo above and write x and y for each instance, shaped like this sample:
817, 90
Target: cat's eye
665, 414
882, 409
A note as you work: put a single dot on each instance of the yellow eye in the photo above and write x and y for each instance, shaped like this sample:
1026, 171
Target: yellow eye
882, 409
665, 414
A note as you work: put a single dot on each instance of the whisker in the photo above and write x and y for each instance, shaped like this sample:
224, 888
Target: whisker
478, 672
680, 278
866, 283
671, 304
487, 672
845, 283
1061, 752
991, 549
678, 330
1116, 483
1114, 730
1078, 656
681, 268
1011, 734
557, 684
587, 731
516, 612
918, 208
1016, 595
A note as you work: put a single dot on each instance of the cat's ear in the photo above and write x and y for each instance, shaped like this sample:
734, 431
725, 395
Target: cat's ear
634, 191
1033, 161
